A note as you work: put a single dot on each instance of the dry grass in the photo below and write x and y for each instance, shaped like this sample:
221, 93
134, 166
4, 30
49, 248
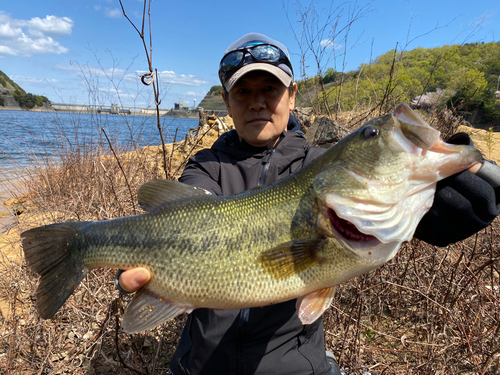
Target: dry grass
428, 311
83, 337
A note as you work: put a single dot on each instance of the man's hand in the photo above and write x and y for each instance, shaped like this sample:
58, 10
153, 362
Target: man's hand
464, 203
134, 279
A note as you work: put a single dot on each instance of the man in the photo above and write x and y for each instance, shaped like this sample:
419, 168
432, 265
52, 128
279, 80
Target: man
265, 147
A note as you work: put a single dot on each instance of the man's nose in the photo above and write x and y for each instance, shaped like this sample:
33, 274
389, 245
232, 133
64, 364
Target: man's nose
257, 102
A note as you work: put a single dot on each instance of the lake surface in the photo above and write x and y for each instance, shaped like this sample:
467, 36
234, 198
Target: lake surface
25, 136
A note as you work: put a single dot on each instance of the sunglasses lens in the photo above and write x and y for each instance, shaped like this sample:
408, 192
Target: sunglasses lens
265, 53
231, 61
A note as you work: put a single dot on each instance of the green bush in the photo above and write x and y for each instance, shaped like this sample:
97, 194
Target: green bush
491, 107
216, 90
28, 100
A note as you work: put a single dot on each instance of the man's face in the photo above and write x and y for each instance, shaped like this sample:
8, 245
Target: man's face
259, 105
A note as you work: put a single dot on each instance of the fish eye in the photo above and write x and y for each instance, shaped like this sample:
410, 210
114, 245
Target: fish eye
369, 132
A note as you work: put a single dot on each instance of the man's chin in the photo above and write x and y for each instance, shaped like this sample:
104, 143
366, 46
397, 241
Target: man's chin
262, 141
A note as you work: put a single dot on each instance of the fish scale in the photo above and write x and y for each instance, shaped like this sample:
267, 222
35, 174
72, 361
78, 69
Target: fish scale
345, 213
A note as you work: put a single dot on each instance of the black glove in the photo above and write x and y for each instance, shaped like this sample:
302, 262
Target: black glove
463, 204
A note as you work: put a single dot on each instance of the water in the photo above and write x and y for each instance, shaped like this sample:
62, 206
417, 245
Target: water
27, 136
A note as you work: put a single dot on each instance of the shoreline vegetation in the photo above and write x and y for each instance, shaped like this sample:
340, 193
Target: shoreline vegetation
429, 310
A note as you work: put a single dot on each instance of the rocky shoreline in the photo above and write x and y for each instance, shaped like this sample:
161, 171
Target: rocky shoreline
7, 219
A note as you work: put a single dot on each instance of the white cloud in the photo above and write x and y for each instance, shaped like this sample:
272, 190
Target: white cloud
7, 31
486, 17
4, 50
197, 94
50, 25
32, 80
166, 78
34, 36
109, 90
171, 78
328, 43
112, 12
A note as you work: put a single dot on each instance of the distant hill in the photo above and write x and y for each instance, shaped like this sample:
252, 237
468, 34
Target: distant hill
8, 86
213, 99
13, 96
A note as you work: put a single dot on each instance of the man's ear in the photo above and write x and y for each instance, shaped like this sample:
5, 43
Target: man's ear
226, 100
292, 98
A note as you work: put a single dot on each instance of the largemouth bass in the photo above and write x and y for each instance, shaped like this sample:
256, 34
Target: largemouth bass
345, 213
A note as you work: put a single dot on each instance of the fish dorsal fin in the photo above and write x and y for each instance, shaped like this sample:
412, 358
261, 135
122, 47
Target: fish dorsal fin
415, 128
257, 188
155, 194
292, 257
313, 305
147, 310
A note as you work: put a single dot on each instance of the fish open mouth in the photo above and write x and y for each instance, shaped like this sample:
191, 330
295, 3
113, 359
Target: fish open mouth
347, 229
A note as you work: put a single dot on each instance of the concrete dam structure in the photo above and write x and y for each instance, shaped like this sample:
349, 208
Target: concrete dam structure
114, 109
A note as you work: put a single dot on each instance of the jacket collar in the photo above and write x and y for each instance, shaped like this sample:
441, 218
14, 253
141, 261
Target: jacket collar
290, 147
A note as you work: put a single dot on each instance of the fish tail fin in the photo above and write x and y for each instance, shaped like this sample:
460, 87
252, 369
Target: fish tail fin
51, 252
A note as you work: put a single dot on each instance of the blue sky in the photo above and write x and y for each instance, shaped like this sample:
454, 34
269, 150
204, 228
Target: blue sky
87, 52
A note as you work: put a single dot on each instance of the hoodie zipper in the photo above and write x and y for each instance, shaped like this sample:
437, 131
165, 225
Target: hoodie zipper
240, 341
266, 162
245, 313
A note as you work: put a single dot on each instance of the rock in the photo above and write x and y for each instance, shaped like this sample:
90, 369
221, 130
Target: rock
203, 115
325, 132
304, 116
208, 123
11, 103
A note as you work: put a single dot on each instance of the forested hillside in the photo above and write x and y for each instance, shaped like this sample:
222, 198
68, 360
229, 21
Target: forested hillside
25, 100
463, 76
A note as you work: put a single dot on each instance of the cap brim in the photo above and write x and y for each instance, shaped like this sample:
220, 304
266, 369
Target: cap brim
274, 70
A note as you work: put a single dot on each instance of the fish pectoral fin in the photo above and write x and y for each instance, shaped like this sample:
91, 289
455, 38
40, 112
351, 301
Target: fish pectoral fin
313, 305
155, 194
147, 310
292, 257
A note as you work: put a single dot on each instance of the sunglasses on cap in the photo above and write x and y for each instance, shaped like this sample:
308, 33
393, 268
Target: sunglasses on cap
265, 53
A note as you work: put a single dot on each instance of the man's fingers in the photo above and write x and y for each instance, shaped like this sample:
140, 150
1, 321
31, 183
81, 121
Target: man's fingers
475, 168
490, 172
134, 279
